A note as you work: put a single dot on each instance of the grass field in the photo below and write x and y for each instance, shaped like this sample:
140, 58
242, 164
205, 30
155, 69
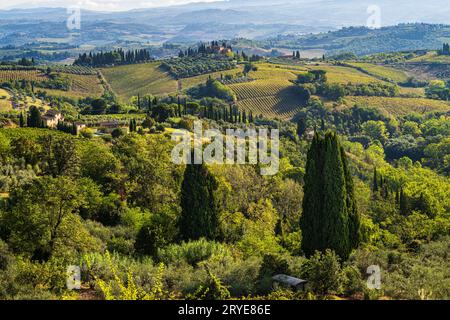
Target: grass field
131, 80
5, 100
399, 106
381, 71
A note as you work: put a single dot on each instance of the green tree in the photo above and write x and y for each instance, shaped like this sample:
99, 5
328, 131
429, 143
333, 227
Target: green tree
42, 219
376, 130
34, 119
199, 205
59, 155
330, 219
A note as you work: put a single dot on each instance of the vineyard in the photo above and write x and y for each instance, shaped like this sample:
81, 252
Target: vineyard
282, 107
271, 94
130, 80
79, 70
19, 75
258, 88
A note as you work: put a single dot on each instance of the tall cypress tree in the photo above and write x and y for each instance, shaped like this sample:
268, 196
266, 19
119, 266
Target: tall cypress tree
404, 203
330, 219
375, 180
34, 118
21, 120
200, 207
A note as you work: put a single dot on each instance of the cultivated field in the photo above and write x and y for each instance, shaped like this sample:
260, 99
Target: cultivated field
344, 75
399, 106
82, 86
381, 72
431, 56
130, 80
187, 83
271, 94
5, 100
18, 75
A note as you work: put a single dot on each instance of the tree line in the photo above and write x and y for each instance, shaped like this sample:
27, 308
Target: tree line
115, 57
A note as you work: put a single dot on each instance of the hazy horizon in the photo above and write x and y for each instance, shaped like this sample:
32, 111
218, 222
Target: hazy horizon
97, 5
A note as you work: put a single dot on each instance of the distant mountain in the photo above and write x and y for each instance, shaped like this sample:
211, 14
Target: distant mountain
253, 19
362, 40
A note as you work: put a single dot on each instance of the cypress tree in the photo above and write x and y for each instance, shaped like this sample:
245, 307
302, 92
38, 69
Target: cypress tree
199, 205
330, 218
375, 180
34, 119
301, 127
21, 120
74, 129
403, 203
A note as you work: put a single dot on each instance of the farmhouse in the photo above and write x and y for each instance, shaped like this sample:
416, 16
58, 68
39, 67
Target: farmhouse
51, 118
108, 126
79, 126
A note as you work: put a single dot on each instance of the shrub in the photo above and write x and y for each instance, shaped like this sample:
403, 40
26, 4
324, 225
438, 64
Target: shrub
323, 273
192, 252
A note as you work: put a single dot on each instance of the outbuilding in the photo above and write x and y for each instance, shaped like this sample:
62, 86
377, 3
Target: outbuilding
285, 281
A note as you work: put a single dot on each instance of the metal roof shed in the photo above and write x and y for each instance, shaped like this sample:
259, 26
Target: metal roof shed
288, 281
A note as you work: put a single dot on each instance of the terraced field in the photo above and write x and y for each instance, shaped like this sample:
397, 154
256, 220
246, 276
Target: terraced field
399, 106
130, 80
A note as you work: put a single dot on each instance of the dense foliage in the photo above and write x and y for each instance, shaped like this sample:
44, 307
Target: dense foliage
189, 67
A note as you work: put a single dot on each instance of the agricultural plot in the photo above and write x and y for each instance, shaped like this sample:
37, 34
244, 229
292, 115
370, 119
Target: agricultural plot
18, 75
193, 66
80, 70
381, 72
344, 75
412, 92
187, 83
5, 100
275, 71
130, 80
431, 57
283, 106
399, 106
271, 94
82, 86
23, 102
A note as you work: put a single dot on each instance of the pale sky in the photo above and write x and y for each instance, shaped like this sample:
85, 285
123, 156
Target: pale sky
100, 5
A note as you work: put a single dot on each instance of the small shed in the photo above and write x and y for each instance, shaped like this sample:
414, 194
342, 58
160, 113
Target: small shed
285, 281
